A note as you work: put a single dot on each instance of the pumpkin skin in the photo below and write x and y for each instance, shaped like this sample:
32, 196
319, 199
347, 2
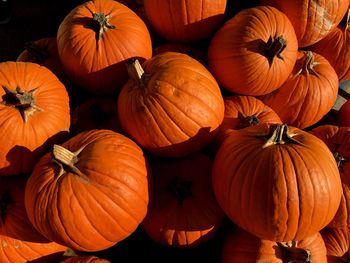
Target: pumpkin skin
17, 251
85, 259
308, 94
40, 118
254, 52
337, 243
338, 141
275, 182
243, 247
312, 20
108, 187
184, 212
335, 48
185, 20
174, 111
343, 114
98, 65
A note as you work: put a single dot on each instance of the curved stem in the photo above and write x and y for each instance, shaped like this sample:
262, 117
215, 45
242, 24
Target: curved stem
309, 64
279, 135
136, 72
274, 47
292, 253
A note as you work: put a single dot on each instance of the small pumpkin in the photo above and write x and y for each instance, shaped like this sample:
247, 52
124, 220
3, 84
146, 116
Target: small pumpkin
34, 113
95, 39
254, 52
312, 20
308, 94
243, 247
337, 242
101, 176
185, 21
274, 181
184, 212
172, 106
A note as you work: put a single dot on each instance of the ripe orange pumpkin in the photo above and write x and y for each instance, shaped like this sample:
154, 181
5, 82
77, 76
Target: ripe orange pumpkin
85, 259
308, 94
172, 105
254, 52
101, 177
17, 251
243, 247
185, 21
343, 114
338, 141
312, 20
277, 182
96, 38
184, 212
337, 242
34, 113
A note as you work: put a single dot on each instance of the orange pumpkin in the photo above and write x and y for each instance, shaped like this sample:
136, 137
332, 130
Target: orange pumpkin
254, 52
96, 38
34, 113
343, 115
275, 181
243, 247
103, 175
308, 94
337, 242
312, 20
185, 21
172, 105
183, 212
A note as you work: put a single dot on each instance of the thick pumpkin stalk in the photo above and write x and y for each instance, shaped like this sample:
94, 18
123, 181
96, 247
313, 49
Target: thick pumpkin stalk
102, 24
309, 64
274, 47
279, 135
23, 101
292, 253
247, 121
136, 72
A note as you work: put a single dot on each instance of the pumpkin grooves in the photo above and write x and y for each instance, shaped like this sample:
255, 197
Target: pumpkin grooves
279, 135
102, 22
180, 189
66, 159
40, 54
23, 101
136, 72
274, 47
5, 202
292, 253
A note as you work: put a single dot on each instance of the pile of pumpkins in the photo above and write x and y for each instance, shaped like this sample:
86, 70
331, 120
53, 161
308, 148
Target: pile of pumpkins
175, 116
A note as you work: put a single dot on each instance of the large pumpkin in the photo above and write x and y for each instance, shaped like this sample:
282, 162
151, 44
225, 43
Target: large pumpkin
34, 112
17, 251
172, 106
89, 193
243, 247
95, 39
278, 182
337, 241
183, 212
185, 20
312, 20
254, 52
308, 94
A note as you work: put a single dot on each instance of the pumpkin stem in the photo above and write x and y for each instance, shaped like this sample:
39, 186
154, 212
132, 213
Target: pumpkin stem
181, 189
248, 121
102, 22
136, 72
66, 159
279, 135
5, 202
340, 160
40, 54
292, 253
273, 48
309, 64
23, 101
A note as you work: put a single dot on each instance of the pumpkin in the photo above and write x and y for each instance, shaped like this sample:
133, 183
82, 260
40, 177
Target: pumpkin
337, 243
343, 114
277, 182
254, 52
18, 251
172, 105
184, 212
34, 113
85, 259
95, 39
185, 21
312, 20
243, 247
242, 112
308, 94
338, 141
95, 113
104, 178
14, 221
335, 48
